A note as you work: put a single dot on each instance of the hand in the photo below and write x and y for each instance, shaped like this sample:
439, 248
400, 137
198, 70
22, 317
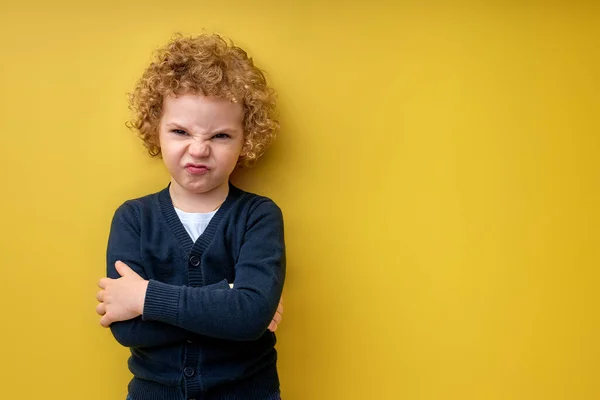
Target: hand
123, 298
277, 318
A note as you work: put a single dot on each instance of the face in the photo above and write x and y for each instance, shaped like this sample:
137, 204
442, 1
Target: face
200, 139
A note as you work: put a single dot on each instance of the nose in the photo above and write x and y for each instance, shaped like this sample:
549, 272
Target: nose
199, 148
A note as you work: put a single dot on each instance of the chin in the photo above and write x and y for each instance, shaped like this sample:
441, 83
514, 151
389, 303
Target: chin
199, 188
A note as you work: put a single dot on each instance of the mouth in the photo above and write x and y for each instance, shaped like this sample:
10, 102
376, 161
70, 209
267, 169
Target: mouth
196, 169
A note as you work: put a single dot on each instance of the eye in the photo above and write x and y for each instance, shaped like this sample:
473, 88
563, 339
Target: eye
179, 132
221, 136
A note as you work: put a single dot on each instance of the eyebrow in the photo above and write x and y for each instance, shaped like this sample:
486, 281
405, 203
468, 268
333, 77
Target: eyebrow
175, 125
220, 129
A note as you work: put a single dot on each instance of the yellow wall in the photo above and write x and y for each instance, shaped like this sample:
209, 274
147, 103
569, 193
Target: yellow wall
438, 167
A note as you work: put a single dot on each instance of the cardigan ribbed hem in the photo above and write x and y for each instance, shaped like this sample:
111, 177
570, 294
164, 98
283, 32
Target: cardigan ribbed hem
161, 302
262, 385
140, 389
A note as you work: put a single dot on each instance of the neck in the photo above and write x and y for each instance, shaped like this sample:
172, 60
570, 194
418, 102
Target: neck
198, 202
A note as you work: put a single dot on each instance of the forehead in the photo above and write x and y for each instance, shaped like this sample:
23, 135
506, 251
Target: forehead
203, 110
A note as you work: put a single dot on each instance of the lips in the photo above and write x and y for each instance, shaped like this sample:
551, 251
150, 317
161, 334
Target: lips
196, 169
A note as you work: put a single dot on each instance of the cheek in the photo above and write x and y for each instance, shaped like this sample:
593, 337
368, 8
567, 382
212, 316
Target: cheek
170, 155
234, 154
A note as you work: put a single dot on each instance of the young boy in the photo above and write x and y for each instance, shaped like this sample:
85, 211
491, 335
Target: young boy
196, 271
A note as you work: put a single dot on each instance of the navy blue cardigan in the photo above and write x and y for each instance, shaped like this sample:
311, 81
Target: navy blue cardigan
198, 338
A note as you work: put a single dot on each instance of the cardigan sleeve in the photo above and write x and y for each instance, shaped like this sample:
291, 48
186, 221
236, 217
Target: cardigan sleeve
124, 245
241, 313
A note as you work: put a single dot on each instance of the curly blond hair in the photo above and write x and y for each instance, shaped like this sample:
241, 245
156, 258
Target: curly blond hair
208, 65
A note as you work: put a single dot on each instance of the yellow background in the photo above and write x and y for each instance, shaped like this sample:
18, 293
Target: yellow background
438, 167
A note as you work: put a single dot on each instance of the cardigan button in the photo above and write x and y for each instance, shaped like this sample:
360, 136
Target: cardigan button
195, 261
188, 371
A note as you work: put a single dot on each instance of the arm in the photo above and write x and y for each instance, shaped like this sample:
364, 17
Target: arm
241, 313
124, 245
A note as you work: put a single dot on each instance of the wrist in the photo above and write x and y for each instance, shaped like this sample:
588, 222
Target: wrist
143, 290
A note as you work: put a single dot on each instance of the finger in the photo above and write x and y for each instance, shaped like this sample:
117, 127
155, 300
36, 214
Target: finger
280, 308
101, 309
125, 270
105, 321
122, 268
272, 326
277, 318
100, 296
103, 282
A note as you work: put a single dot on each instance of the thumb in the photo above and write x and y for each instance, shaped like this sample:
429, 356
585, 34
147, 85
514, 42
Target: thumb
123, 269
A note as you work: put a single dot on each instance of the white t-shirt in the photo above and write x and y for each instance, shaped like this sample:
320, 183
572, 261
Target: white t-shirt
195, 223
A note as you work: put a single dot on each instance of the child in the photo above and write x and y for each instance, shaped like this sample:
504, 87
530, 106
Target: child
196, 271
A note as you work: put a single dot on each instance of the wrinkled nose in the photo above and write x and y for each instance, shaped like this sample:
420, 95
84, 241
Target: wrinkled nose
199, 149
